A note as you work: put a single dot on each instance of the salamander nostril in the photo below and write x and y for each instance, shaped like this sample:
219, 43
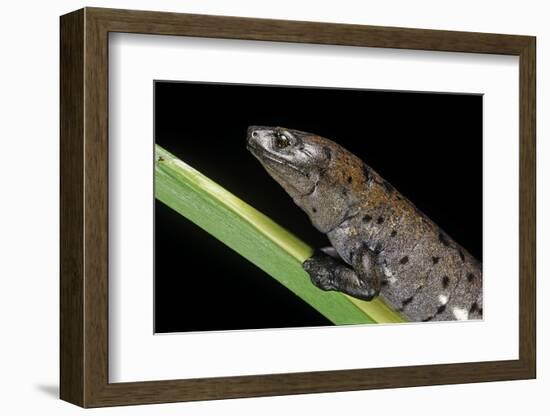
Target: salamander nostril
254, 134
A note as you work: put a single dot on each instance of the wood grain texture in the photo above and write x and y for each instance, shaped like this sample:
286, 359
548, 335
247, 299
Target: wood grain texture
71, 209
84, 207
96, 302
527, 209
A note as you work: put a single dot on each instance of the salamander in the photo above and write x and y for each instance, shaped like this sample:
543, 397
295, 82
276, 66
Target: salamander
381, 243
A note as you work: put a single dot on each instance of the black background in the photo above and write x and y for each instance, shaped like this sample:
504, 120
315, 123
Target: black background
429, 146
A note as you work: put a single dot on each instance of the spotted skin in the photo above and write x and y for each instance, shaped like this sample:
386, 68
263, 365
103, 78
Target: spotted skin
382, 245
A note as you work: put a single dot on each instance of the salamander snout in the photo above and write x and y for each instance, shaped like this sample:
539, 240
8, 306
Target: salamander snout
259, 138
251, 134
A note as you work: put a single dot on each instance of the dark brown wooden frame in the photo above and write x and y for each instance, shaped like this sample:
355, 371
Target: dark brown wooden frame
84, 214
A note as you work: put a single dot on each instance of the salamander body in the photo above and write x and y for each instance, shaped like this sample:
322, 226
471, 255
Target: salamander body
382, 245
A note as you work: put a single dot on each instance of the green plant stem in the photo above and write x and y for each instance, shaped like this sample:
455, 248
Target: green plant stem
257, 238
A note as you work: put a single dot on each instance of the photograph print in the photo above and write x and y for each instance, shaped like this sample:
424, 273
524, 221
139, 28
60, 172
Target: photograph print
294, 206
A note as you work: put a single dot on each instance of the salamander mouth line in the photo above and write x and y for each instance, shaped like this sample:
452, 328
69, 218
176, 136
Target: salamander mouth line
261, 153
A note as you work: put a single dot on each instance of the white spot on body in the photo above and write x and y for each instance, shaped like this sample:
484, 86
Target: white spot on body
443, 299
390, 277
460, 314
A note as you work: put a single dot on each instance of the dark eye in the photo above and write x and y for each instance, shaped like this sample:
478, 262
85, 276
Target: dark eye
281, 141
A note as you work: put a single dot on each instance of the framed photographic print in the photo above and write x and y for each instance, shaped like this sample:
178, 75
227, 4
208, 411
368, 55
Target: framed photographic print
256, 207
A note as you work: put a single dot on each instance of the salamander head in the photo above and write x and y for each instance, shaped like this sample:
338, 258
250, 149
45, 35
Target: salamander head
304, 165
291, 157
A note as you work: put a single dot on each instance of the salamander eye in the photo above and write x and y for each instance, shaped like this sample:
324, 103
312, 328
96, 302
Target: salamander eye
281, 141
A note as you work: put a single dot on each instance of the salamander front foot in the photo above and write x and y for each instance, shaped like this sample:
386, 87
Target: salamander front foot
320, 271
